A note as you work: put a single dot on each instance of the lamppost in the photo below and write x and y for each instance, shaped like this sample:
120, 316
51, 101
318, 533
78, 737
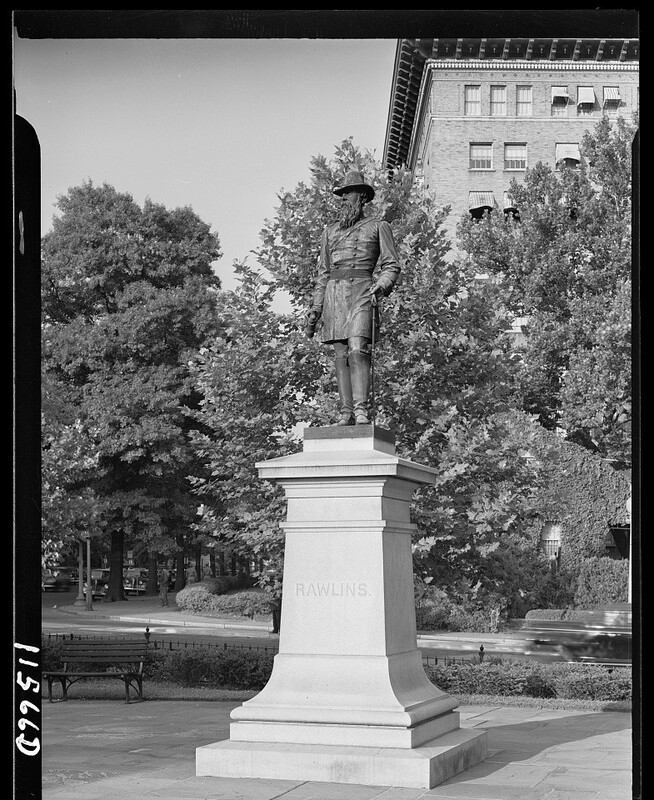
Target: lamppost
89, 581
79, 600
630, 546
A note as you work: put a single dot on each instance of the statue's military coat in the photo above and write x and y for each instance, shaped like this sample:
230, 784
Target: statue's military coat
347, 261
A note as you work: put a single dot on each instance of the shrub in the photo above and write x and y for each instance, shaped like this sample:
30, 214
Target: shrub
587, 682
473, 620
195, 596
546, 613
230, 669
478, 679
51, 654
198, 599
246, 604
431, 617
527, 679
556, 590
439, 613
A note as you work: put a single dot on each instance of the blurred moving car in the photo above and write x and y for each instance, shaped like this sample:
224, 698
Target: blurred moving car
603, 637
135, 581
58, 579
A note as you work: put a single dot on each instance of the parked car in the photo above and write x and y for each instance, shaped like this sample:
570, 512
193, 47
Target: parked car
99, 581
135, 581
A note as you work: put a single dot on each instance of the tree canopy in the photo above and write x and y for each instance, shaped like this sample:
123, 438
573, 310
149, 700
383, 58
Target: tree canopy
128, 294
566, 268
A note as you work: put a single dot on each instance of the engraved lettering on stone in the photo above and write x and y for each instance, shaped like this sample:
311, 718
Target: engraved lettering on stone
331, 589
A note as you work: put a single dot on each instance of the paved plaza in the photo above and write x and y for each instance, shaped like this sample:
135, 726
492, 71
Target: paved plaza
110, 750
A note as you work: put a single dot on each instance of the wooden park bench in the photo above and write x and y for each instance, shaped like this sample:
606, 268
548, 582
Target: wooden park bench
123, 658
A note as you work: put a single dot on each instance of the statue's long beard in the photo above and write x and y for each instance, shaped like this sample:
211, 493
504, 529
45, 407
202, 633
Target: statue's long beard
350, 212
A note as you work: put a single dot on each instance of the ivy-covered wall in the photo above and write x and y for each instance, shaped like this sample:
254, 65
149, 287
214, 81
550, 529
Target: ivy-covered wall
582, 493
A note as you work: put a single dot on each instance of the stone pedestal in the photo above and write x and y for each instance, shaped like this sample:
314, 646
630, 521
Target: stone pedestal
348, 700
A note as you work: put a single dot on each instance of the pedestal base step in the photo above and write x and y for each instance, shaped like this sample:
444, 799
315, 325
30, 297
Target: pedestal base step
421, 767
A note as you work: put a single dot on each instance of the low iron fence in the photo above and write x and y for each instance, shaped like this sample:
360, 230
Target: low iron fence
163, 643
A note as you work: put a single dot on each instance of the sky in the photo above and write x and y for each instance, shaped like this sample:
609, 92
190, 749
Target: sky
221, 125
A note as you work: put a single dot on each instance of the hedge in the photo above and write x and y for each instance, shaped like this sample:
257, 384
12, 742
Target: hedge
226, 669
246, 669
569, 681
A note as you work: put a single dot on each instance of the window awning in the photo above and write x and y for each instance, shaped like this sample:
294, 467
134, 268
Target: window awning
585, 94
559, 93
481, 200
611, 94
567, 151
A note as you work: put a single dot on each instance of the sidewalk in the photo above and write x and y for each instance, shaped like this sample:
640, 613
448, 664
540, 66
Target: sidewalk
110, 750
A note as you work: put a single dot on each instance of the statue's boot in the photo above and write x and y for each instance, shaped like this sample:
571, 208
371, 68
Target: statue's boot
344, 391
360, 375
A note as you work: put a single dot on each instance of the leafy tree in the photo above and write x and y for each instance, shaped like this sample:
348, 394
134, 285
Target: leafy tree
566, 267
254, 380
128, 294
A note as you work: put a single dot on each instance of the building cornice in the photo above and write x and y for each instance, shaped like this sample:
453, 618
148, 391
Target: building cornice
575, 66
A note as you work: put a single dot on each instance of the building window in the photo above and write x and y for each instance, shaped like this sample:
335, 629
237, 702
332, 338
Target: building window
612, 100
515, 156
498, 101
550, 541
472, 104
480, 203
567, 155
585, 100
481, 155
510, 208
560, 101
523, 101
617, 541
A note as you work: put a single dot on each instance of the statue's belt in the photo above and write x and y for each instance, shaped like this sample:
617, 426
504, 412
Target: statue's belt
346, 274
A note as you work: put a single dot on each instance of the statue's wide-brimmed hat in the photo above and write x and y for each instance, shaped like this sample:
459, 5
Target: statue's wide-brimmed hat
355, 182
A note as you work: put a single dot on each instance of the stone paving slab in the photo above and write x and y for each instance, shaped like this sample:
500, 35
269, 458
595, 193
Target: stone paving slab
108, 750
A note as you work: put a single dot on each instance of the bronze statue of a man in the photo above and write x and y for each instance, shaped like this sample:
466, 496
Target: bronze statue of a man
346, 295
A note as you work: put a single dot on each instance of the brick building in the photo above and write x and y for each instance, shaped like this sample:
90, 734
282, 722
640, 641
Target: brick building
467, 116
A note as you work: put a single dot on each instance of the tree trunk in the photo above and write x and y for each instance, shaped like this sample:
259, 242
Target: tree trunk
198, 563
221, 562
212, 562
115, 590
153, 560
180, 575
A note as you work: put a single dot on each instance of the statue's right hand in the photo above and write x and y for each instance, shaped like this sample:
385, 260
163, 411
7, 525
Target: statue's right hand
312, 320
